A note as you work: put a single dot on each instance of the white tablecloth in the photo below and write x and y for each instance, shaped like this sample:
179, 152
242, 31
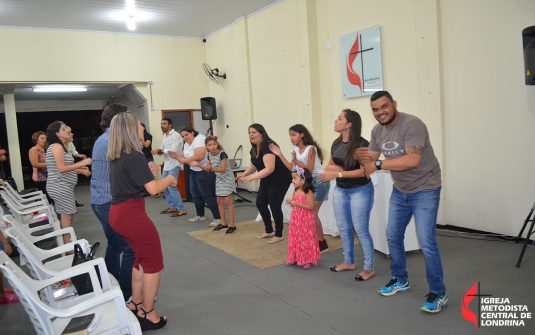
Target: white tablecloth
382, 182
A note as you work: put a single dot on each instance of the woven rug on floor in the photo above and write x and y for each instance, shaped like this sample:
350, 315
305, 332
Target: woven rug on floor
244, 245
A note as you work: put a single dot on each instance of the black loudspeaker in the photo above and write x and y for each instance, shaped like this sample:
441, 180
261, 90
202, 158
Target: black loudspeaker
208, 110
528, 39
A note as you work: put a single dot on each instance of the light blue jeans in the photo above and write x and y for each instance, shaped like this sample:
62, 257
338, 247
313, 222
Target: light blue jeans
174, 200
352, 207
424, 206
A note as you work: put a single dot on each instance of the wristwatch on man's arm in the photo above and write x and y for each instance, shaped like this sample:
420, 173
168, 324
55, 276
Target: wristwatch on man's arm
378, 163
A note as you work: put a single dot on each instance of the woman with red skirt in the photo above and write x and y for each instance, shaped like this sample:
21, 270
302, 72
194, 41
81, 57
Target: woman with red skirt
130, 176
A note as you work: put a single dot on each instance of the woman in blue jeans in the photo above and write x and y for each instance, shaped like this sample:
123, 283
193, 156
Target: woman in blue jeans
353, 194
201, 183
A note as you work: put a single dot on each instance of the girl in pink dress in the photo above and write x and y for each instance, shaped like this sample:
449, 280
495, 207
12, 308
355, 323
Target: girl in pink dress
303, 248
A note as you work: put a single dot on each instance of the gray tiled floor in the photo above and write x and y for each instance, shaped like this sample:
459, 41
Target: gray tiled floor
206, 291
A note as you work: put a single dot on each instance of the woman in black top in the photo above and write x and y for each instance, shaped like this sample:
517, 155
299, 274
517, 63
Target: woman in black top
130, 176
274, 177
353, 194
147, 144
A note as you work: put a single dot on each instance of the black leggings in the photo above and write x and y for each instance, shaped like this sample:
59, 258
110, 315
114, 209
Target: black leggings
272, 195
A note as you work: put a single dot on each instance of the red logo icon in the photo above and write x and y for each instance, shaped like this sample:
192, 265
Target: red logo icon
468, 314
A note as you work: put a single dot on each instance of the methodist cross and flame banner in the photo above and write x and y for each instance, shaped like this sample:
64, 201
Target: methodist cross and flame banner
360, 62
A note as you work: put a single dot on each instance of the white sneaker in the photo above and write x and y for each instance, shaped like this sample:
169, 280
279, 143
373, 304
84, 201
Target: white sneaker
214, 223
197, 219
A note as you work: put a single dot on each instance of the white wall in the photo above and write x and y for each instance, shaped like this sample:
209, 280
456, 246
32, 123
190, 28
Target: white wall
489, 114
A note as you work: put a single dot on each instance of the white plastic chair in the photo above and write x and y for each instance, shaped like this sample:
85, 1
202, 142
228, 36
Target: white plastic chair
41, 267
27, 231
35, 260
23, 198
23, 211
116, 318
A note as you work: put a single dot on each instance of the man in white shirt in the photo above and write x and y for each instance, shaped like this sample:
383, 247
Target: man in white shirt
171, 142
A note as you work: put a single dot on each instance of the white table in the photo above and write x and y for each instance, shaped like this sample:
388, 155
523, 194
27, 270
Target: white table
382, 182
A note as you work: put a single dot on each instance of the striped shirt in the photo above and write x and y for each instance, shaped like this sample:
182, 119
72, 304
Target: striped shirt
100, 169
60, 186
224, 182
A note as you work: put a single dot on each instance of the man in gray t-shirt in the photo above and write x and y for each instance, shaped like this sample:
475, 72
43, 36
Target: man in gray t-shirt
404, 141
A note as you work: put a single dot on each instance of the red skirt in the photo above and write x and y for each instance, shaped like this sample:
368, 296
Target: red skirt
130, 220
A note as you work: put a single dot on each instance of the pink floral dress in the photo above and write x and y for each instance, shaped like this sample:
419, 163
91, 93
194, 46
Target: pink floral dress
303, 246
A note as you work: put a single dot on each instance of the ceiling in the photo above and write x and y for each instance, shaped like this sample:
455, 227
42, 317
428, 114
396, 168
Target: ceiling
184, 18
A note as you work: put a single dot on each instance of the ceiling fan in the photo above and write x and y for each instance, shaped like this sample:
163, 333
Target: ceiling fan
213, 74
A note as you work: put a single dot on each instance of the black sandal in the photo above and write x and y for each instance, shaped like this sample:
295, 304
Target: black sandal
147, 324
135, 305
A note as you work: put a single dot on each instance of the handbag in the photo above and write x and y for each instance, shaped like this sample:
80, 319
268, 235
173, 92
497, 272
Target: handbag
82, 282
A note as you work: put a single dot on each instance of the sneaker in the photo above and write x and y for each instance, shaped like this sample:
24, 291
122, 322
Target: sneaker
220, 227
394, 286
197, 219
157, 195
214, 223
231, 230
434, 303
323, 246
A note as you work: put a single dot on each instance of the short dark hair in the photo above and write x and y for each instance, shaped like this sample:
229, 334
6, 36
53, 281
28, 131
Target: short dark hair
189, 130
36, 135
380, 94
109, 112
169, 121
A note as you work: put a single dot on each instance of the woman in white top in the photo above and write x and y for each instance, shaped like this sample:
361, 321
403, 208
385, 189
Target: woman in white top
307, 154
201, 183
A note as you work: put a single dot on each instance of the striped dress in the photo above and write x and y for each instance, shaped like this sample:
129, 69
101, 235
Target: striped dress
60, 186
224, 182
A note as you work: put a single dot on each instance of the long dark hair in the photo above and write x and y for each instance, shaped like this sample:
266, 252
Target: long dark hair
145, 132
51, 136
265, 138
308, 186
354, 137
307, 138
189, 130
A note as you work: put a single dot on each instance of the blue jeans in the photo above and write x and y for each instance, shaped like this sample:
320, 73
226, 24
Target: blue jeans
424, 206
121, 270
202, 188
174, 200
352, 207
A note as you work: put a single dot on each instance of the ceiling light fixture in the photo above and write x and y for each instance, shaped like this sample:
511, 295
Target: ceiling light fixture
60, 89
130, 23
131, 12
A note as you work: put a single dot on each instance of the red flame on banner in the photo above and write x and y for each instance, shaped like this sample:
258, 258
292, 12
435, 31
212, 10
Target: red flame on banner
352, 76
465, 300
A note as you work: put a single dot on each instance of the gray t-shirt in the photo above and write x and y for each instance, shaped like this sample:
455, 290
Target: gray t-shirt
408, 131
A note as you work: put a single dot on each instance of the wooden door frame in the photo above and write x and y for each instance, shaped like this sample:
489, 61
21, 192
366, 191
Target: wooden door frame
190, 111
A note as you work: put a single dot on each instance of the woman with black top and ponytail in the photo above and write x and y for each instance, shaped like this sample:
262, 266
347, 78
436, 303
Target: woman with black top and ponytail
353, 194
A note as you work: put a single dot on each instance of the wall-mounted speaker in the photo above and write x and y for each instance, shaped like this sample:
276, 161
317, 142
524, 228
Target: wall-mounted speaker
208, 109
528, 40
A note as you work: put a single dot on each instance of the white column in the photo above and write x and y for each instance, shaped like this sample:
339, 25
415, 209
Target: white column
13, 140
